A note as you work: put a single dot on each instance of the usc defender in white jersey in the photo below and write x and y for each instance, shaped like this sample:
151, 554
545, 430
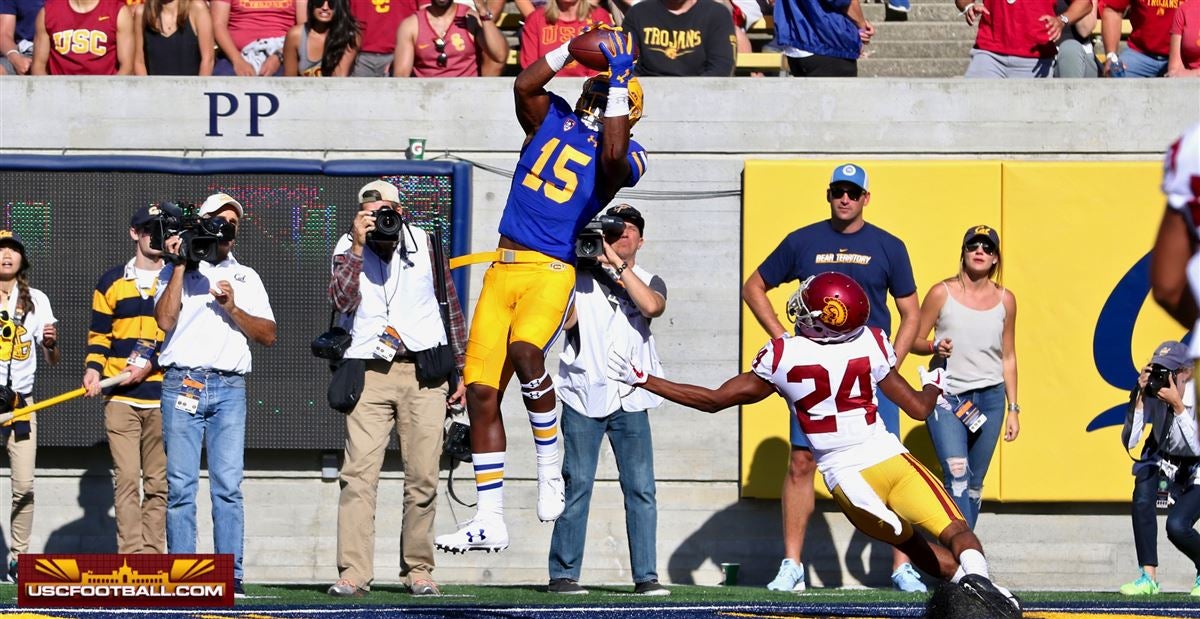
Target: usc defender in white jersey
1175, 262
828, 374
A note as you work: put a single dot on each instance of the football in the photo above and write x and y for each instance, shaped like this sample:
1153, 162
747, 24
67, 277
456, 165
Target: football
585, 49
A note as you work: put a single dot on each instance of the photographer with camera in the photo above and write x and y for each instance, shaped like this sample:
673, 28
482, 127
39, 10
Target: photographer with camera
211, 307
26, 323
1166, 474
615, 301
124, 336
384, 279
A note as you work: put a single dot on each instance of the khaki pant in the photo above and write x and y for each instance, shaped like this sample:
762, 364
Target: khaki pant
139, 468
21, 457
391, 396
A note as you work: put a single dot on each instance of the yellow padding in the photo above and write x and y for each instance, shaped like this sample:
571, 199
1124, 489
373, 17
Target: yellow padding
501, 255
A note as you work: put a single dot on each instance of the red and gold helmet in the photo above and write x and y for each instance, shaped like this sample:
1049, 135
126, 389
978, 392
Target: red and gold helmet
829, 307
594, 98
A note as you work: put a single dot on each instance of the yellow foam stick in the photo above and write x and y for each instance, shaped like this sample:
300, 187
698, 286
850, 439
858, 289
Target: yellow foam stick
59, 399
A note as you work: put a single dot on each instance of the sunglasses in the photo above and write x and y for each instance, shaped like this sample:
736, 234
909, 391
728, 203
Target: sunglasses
836, 193
986, 246
320, 3
439, 45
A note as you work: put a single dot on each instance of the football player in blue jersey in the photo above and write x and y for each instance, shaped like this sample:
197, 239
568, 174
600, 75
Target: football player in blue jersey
572, 164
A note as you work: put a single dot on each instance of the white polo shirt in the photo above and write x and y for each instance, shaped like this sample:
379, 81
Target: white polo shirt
205, 336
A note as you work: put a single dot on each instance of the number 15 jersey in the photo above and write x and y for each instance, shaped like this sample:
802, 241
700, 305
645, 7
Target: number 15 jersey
830, 388
555, 190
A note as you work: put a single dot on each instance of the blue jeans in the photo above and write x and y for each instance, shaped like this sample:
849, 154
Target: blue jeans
219, 424
952, 440
629, 434
1138, 64
1181, 517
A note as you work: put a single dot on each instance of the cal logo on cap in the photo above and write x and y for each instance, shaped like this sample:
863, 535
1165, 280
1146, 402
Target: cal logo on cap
983, 230
849, 170
5, 234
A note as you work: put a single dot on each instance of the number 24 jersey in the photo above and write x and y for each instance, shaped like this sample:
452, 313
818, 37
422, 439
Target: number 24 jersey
555, 190
830, 388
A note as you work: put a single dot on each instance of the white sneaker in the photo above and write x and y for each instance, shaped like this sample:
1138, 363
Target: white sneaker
789, 578
481, 533
552, 498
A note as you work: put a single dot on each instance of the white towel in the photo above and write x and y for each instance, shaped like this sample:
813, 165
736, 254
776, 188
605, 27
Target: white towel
256, 52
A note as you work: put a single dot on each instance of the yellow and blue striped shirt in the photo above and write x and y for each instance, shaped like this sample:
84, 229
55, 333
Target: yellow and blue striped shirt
122, 314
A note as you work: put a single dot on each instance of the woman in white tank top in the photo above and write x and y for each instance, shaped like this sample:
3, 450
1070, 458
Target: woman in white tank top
973, 320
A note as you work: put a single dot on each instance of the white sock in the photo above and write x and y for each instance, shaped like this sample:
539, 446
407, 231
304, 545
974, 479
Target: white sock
958, 575
545, 442
971, 561
489, 482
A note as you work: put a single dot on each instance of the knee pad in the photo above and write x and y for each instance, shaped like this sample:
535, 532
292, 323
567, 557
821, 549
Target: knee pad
534, 389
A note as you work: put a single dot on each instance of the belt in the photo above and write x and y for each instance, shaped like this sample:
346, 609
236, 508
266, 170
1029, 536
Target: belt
505, 256
204, 371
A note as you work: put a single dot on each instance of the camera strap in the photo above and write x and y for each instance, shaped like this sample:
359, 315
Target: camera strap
440, 293
11, 310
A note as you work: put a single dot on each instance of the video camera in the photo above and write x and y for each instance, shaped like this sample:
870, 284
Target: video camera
589, 245
198, 236
388, 224
1159, 378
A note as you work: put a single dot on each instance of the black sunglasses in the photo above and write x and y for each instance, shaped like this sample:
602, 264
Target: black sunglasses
855, 193
316, 4
986, 246
439, 45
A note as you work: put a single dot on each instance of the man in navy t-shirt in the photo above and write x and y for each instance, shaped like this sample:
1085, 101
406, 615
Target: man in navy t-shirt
878, 261
18, 25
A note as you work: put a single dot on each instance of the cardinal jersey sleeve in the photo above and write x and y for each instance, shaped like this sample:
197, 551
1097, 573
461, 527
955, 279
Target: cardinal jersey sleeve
883, 356
1181, 173
766, 362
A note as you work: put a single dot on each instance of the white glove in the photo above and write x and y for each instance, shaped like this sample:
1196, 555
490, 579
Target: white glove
621, 369
937, 378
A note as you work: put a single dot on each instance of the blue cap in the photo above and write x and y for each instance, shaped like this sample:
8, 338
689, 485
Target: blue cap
1171, 355
849, 173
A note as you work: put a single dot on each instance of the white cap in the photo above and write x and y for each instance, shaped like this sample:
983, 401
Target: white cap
214, 203
386, 191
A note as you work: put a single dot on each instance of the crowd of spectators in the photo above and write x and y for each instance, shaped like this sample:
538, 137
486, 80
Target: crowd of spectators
459, 38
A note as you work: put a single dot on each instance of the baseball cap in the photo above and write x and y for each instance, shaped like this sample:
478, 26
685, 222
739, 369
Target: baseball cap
849, 173
386, 191
214, 203
629, 214
8, 238
145, 215
984, 231
1171, 355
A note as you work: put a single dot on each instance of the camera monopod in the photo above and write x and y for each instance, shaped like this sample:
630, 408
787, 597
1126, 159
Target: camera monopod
60, 398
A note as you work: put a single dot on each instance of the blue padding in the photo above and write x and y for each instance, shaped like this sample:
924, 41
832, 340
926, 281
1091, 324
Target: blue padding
388, 167
164, 165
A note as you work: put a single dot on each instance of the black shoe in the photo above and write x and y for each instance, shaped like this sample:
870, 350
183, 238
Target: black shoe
650, 587
998, 601
12, 571
565, 586
238, 590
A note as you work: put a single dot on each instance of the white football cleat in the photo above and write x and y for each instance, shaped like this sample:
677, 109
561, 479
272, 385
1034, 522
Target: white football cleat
481, 533
552, 498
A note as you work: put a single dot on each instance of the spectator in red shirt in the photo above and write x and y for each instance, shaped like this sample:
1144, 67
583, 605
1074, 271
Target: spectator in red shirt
250, 34
555, 23
378, 20
173, 37
84, 37
325, 45
1149, 41
1017, 39
1184, 59
447, 39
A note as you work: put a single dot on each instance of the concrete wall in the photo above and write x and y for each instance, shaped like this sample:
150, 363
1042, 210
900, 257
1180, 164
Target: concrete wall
698, 132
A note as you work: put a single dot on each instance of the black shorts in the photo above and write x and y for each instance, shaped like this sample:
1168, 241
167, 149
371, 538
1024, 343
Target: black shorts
822, 66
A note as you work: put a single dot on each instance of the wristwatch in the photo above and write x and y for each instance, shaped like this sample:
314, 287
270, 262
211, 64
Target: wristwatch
1066, 21
1014, 408
486, 16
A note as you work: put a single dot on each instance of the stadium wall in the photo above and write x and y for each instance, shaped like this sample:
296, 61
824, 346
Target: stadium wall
699, 132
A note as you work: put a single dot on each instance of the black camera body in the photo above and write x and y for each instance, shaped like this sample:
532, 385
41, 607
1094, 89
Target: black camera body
198, 237
1159, 378
589, 245
388, 225
331, 344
